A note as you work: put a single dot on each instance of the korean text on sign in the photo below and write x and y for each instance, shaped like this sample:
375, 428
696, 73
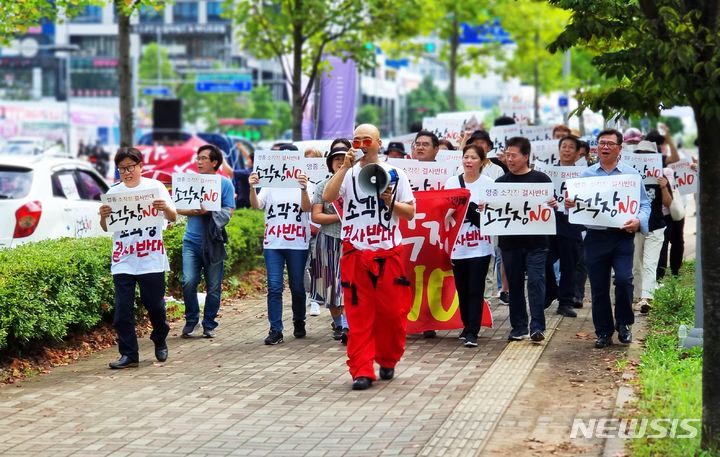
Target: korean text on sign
189, 190
559, 176
278, 168
517, 209
685, 177
132, 210
607, 201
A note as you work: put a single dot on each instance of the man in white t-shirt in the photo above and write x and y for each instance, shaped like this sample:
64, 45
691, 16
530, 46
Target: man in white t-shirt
138, 257
376, 292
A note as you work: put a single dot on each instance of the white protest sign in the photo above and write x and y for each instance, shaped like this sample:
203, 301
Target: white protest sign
278, 168
685, 177
315, 168
607, 201
69, 188
518, 109
189, 190
500, 134
450, 155
131, 210
447, 128
559, 175
648, 165
517, 209
545, 151
425, 175
407, 140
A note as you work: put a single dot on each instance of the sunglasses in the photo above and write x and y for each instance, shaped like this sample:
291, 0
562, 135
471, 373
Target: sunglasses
362, 143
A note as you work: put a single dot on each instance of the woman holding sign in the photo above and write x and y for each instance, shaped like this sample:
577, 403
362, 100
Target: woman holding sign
286, 240
138, 254
473, 251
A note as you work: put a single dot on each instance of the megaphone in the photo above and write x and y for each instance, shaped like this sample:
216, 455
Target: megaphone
374, 178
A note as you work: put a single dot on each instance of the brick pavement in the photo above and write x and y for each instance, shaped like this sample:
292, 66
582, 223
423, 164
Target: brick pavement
235, 396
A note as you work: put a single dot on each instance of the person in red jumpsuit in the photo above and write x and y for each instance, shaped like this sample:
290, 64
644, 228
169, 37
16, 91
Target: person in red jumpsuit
376, 292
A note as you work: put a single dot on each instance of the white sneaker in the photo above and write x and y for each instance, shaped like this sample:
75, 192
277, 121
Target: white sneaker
314, 308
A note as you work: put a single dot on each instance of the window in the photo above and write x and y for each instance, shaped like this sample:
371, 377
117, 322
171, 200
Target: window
64, 185
214, 11
90, 15
149, 15
185, 12
90, 187
15, 182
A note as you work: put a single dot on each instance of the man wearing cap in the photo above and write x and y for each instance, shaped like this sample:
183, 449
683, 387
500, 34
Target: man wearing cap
376, 292
609, 248
396, 150
632, 136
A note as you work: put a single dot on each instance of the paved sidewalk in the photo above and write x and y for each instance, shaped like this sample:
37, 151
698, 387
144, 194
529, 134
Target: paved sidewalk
235, 396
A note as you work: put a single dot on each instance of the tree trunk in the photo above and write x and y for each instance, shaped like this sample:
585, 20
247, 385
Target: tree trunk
709, 145
297, 89
536, 80
454, 44
124, 77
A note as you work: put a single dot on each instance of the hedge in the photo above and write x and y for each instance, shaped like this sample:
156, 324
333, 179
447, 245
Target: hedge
53, 286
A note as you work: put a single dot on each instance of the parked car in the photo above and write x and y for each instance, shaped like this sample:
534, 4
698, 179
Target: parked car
48, 197
32, 146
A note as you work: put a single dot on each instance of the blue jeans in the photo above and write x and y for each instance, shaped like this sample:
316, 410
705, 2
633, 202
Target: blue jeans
192, 265
275, 260
517, 263
607, 250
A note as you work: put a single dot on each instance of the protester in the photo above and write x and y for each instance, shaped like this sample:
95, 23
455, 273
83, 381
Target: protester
647, 247
632, 136
446, 145
472, 251
580, 268
131, 267
560, 131
310, 275
608, 248
524, 254
565, 246
328, 247
376, 290
204, 248
395, 150
426, 146
286, 241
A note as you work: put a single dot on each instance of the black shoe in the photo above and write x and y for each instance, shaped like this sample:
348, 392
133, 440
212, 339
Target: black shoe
207, 333
123, 362
566, 311
361, 383
429, 333
517, 335
463, 334
577, 304
624, 334
187, 331
344, 336
603, 342
386, 373
337, 333
470, 340
161, 352
274, 337
299, 329
505, 297
537, 336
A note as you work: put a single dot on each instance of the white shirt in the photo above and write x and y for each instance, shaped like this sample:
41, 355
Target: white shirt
470, 242
140, 251
287, 226
365, 224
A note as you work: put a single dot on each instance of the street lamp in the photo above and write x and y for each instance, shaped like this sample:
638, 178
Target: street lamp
68, 49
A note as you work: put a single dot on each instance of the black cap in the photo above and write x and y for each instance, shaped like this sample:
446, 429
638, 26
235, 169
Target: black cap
284, 147
338, 150
395, 146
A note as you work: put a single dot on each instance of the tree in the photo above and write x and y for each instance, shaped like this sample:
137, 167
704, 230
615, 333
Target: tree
368, 114
305, 31
661, 54
425, 101
154, 67
17, 17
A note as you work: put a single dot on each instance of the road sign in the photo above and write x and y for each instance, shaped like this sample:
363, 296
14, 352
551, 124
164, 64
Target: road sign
563, 101
158, 91
227, 86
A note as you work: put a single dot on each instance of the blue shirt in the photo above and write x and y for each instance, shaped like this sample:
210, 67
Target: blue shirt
621, 169
194, 228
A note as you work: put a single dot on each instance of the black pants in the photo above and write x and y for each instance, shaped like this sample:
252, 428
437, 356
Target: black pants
567, 251
581, 275
152, 293
470, 285
675, 236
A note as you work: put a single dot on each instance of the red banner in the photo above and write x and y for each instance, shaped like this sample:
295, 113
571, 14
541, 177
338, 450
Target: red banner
429, 239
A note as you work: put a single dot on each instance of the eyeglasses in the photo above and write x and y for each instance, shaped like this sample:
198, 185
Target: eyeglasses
128, 169
203, 158
609, 144
362, 142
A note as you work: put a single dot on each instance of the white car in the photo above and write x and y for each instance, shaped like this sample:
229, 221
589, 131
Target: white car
48, 197
31, 146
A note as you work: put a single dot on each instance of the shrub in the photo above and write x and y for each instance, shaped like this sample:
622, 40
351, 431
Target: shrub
52, 286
